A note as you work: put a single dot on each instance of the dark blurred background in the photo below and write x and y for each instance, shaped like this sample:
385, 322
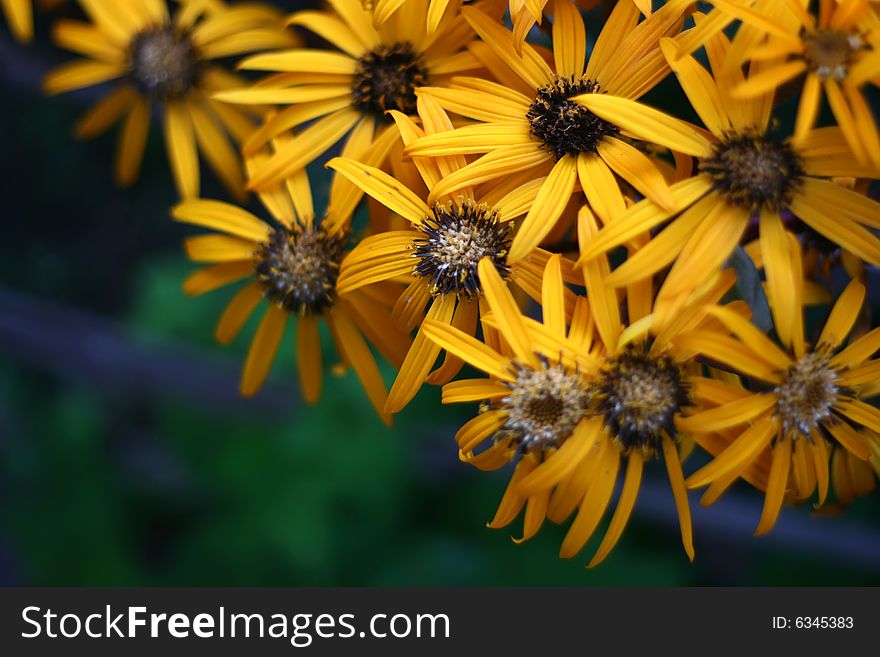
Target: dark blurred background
127, 457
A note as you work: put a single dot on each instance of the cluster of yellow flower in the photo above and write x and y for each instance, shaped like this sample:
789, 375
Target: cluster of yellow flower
509, 167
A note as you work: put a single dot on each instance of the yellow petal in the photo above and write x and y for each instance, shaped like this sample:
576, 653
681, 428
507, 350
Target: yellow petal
263, 350
180, 143
563, 461
546, 209
223, 217
468, 349
738, 455
631, 482
727, 415
385, 189
646, 123
776, 485
506, 311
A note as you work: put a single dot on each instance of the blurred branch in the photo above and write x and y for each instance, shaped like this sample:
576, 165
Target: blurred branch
75, 345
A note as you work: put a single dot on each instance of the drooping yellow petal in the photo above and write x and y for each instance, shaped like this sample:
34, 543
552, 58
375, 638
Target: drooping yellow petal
180, 143
844, 315
512, 503
263, 350
600, 187
469, 349
506, 311
679, 493
839, 229
731, 414
759, 344
727, 351
776, 485
420, 358
309, 144
738, 455
563, 461
470, 390
132, 139
603, 298
218, 248
384, 188
646, 123
223, 217
308, 354
215, 276
79, 74
593, 505
546, 209
553, 298
637, 169
631, 482
664, 247
237, 312
852, 440
355, 350
643, 216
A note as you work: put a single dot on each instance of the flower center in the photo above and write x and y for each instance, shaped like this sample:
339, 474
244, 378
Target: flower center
455, 239
639, 395
544, 406
754, 171
829, 53
806, 394
386, 78
563, 126
163, 63
298, 268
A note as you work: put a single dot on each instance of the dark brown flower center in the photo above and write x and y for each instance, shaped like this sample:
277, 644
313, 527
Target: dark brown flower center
829, 53
544, 406
298, 268
639, 394
164, 63
806, 395
386, 78
754, 171
456, 238
563, 126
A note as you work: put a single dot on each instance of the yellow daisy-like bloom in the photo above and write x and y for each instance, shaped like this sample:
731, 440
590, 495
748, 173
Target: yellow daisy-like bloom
837, 52
745, 170
168, 62
577, 409
293, 263
813, 402
529, 119
440, 250
373, 71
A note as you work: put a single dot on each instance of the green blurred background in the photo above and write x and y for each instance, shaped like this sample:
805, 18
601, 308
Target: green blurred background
127, 458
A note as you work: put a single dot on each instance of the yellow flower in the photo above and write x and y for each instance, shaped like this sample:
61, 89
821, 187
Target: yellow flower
837, 53
807, 400
439, 251
528, 122
576, 407
168, 62
293, 263
745, 171
373, 71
